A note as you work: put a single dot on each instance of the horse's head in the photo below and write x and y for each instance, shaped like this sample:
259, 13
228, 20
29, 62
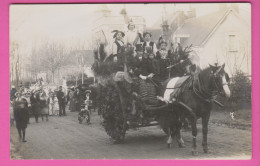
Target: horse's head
220, 79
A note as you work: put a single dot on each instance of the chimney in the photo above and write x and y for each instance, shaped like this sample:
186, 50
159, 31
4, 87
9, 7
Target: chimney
222, 6
102, 11
123, 12
235, 7
191, 13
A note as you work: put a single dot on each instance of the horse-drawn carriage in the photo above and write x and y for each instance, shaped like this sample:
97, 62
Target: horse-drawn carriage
129, 102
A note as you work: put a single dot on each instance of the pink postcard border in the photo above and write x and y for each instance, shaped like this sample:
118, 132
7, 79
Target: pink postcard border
4, 95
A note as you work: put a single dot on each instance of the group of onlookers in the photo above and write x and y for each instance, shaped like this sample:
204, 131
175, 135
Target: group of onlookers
75, 99
36, 102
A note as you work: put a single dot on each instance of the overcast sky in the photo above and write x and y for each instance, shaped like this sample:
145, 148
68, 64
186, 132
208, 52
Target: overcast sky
31, 24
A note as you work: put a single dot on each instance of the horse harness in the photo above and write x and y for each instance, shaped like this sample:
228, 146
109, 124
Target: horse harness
199, 89
202, 93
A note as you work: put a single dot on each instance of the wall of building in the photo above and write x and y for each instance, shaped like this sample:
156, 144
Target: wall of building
103, 26
232, 33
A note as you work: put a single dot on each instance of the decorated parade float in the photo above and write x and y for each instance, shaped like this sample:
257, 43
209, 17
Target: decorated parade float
128, 101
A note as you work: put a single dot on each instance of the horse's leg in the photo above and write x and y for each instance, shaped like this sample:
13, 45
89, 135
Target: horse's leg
178, 126
169, 140
205, 121
179, 139
193, 120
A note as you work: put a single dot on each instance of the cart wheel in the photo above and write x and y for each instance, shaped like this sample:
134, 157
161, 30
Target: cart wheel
114, 122
80, 119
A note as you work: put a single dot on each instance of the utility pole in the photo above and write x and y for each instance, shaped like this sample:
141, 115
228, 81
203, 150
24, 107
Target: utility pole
82, 69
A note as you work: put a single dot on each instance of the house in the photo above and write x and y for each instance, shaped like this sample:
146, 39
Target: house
104, 23
222, 36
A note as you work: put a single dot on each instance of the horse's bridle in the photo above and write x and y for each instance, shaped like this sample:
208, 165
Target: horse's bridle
216, 76
200, 91
204, 94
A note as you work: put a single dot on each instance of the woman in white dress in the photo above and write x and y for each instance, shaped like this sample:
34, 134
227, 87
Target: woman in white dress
131, 35
55, 106
51, 104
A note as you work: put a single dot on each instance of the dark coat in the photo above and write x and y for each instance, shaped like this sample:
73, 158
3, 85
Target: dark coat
61, 97
136, 67
72, 105
21, 114
12, 94
153, 67
35, 102
144, 67
164, 72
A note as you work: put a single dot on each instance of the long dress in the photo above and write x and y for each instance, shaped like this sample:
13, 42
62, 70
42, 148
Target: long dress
72, 106
44, 109
56, 106
51, 105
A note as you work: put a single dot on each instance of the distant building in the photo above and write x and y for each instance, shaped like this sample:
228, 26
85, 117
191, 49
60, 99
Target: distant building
104, 23
169, 23
222, 36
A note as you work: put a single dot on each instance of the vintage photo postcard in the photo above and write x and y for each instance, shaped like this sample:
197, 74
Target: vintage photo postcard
130, 81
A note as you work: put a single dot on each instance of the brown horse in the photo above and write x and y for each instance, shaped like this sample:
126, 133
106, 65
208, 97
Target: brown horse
196, 99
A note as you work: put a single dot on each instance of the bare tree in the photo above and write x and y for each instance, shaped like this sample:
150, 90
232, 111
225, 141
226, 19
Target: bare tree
53, 56
15, 64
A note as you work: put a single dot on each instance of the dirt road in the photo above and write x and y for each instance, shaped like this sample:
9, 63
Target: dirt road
65, 138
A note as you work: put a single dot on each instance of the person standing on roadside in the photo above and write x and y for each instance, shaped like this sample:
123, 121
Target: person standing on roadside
21, 116
61, 101
12, 93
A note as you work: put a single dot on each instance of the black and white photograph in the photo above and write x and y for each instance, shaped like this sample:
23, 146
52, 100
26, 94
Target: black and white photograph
130, 81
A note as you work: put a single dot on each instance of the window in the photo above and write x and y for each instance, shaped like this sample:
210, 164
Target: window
232, 43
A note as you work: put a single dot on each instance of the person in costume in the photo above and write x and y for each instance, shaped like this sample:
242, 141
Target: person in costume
131, 34
118, 45
148, 44
163, 60
162, 48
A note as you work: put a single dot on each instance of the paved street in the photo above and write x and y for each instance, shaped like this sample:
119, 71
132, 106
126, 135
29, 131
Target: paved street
65, 138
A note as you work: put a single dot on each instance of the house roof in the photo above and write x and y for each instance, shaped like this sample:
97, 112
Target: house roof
199, 29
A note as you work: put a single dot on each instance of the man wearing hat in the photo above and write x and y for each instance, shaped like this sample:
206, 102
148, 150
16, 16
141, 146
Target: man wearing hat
149, 44
61, 101
118, 44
